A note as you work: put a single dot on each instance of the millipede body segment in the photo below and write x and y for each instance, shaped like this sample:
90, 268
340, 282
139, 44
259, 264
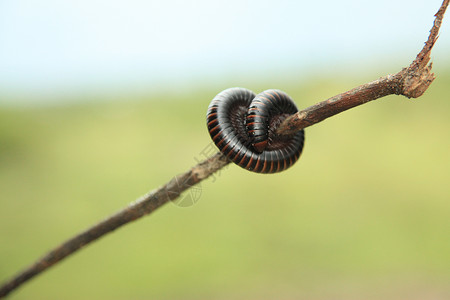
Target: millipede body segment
243, 126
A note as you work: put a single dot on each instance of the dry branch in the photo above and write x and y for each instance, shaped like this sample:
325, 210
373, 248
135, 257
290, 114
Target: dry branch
143, 206
411, 82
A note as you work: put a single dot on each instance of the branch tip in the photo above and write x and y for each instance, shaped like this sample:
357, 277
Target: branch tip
411, 82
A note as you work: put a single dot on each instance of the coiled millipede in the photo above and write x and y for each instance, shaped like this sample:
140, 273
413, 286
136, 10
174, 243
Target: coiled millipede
243, 125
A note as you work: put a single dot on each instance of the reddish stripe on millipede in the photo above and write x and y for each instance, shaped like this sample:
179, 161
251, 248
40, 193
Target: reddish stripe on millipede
240, 146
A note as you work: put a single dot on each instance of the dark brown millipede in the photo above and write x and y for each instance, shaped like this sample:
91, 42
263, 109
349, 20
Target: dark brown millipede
243, 126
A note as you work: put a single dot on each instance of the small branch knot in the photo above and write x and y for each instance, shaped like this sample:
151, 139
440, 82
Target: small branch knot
416, 82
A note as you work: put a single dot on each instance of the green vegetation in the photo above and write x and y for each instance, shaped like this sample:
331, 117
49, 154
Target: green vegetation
364, 214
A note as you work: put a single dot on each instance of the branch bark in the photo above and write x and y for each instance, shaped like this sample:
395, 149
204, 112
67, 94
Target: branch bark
141, 207
411, 82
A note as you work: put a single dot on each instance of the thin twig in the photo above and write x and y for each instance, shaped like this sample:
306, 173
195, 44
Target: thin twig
410, 82
143, 206
384, 86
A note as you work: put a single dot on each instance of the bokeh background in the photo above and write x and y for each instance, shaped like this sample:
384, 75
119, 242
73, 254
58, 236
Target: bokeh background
102, 101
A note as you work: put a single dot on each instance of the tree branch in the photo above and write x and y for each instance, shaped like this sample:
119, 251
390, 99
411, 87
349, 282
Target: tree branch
141, 207
411, 82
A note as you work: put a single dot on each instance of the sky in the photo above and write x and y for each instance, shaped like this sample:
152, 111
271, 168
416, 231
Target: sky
49, 46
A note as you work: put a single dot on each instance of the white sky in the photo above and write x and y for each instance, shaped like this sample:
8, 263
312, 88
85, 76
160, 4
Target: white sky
48, 45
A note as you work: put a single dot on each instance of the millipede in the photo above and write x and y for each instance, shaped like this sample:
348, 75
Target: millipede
243, 127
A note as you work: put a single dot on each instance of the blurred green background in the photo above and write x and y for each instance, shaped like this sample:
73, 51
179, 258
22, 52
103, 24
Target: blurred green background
102, 101
364, 214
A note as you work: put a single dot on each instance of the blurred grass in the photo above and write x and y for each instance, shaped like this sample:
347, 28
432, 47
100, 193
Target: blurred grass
364, 214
